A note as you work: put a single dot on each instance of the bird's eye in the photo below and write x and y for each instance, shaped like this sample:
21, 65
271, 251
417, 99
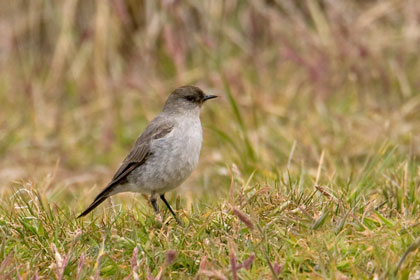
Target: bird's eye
190, 98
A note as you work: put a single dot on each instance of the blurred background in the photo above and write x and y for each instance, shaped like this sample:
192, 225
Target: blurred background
80, 80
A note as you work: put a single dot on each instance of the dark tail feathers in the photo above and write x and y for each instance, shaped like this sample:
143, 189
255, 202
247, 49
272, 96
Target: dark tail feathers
99, 199
92, 206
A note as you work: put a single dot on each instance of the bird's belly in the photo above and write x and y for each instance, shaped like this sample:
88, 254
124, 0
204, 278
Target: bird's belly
171, 161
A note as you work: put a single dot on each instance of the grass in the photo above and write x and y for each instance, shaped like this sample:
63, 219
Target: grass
310, 162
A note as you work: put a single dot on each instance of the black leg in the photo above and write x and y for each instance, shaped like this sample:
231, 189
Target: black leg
154, 204
162, 196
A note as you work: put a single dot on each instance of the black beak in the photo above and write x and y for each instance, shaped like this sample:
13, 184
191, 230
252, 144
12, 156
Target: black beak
207, 97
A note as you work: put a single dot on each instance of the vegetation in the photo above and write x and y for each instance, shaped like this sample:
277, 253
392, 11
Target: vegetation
310, 162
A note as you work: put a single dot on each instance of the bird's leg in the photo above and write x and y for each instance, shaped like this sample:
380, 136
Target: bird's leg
162, 196
153, 200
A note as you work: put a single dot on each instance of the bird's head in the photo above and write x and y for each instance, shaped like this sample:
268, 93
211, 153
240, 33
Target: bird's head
187, 99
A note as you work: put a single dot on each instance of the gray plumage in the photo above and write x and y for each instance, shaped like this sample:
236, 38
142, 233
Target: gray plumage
166, 152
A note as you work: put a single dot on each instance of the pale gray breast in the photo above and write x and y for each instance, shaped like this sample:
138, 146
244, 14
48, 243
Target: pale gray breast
189, 147
182, 147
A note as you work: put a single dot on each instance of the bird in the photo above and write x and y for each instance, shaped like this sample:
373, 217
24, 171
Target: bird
165, 154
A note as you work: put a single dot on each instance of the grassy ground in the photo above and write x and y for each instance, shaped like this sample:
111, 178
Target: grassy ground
310, 162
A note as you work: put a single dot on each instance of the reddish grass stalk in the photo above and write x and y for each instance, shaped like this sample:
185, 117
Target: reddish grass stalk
80, 266
203, 263
244, 218
247, 263
61, 263
5, 262
277, 268
233, 265
133, 265
170, 257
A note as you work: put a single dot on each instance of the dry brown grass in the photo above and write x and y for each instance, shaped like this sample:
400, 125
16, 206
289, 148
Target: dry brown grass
316, 139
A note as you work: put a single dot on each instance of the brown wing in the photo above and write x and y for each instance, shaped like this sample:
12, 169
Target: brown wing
137, 156
141, 149
158, 128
